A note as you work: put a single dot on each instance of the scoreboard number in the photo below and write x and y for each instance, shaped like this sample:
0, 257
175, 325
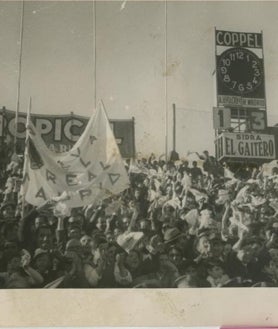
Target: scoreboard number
221, 118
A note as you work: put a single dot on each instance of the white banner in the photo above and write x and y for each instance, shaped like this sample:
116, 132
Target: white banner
91, 171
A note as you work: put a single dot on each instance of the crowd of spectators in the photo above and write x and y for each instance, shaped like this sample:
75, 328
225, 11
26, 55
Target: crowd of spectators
180, 224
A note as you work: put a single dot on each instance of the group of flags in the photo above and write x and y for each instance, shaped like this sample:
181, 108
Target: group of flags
91, 171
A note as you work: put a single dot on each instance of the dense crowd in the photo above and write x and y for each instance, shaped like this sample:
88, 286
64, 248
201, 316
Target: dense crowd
180, 224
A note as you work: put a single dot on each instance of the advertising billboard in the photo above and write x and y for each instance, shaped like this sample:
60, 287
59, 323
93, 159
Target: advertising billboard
245, 146
240, 69
60, 132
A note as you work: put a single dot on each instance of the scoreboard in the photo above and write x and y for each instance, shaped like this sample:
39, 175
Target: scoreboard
240, 69
240, 117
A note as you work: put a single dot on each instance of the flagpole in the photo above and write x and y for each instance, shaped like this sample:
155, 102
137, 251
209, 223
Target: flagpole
166, 86
28, 118
95, 53
174, 127
19, 76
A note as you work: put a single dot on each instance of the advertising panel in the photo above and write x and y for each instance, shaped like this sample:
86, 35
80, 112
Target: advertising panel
245, 146
240, 69
60, 132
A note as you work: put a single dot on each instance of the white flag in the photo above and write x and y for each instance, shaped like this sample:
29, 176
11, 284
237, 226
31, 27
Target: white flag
268, 167
228, 173
91, 171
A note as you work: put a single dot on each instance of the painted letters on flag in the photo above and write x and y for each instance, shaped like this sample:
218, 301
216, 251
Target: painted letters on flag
91, 171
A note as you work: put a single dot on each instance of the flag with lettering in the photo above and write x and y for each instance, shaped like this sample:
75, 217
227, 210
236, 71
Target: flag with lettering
91, 171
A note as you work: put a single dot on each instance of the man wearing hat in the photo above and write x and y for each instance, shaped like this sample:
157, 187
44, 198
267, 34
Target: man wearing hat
42, 262
75, 274
246, 261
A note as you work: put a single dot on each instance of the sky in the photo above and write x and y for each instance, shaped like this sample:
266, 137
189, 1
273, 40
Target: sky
143, 66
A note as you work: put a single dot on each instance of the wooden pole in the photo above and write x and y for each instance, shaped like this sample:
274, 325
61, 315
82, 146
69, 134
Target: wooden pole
95, 53
174, 127
26, 155
133, 133
19, 76
266, 121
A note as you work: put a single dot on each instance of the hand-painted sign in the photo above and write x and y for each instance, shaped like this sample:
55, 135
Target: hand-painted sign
92, 171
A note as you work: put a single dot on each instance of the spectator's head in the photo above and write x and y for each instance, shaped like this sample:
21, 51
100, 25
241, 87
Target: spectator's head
40, 220
144, 226
10, 231
146, 182
215, 270
97, 240
246, 254
117, 231
186, 281
74, 232
155, 245
255, 243
10, 249
76, 220
112, 252
14, 263
164, 262
185, 163
41, 260
227, 248
190, 202
133, 260
86, 243
73, 249
101, 223
8, 210
169, 210
175, 255
110, 237
44, 237
182, 242
125, 222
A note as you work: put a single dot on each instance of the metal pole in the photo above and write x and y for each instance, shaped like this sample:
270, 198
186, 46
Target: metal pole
19, 76
174, 127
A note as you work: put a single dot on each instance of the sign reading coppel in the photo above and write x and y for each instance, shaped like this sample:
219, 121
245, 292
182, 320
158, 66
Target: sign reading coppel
240, 69
245, 146
60, 132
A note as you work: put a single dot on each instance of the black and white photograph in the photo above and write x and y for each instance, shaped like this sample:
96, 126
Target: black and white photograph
138, 144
